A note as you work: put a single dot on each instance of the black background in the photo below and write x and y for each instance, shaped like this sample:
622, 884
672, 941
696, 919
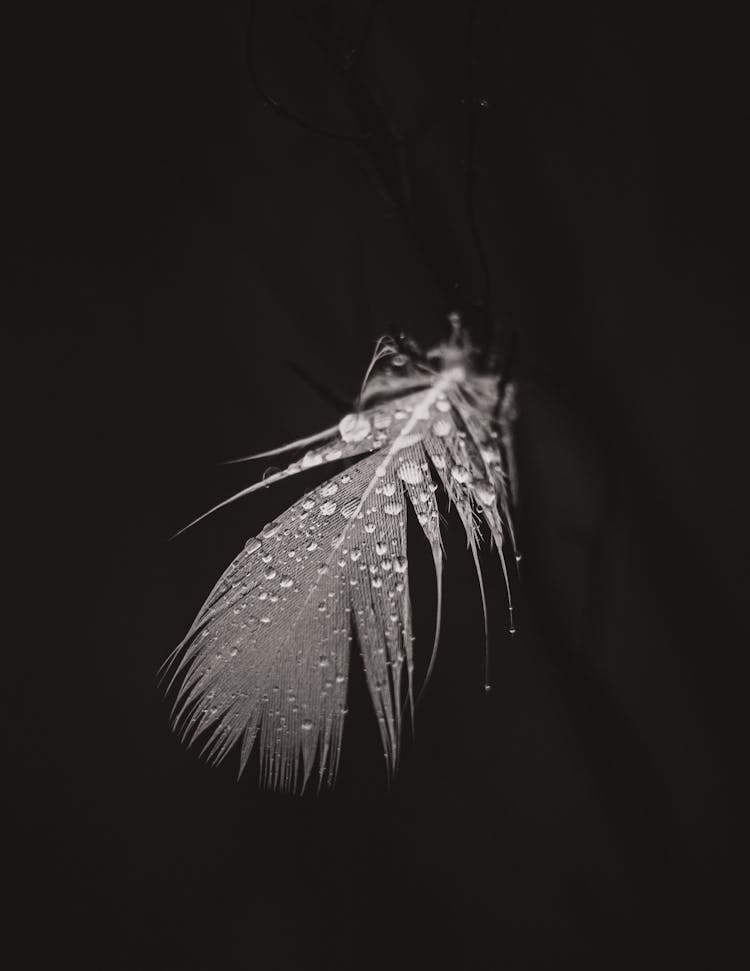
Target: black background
178, 248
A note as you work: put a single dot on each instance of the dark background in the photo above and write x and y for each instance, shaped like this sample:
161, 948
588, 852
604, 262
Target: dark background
177, 248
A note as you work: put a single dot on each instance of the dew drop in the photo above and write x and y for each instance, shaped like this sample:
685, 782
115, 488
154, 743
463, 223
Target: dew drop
370, 527
389, 488
399, 564
443, 405
270, 574
393, 508
377, 582
311, 458
442, 427
312, 546
355, 554
286, 581
381, 548
411, 473
461, 474
329, 489
265, 620
306, 725
353, 428
267, 557
307, 504
328, 508
252, 544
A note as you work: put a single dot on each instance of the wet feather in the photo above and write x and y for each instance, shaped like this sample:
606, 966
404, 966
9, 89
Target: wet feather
266, 661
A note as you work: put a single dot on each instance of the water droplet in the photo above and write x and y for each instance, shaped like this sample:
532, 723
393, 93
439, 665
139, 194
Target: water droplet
442, 404
323, 662
442, 427
322, 569
386, 565
438, 461
381, 548
308, 504
311, 458
382, 419
370, 527
410, 472
335, 453
340, 678
488, 687
511, 630
346, 478
252, 544
461, 474
400, 414
389, 488
353, 428
267, 557
399, 564
306, 725
286, 581
518, 557
355, 554
270, 574
328, 508
265, 620
322, 605
312, 546
377, 582
329, 489
263, 595
393, 508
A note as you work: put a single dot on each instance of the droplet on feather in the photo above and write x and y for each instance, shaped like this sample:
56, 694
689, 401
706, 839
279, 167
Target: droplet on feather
393, 508
442, 427
485, 494
410, 472
329, 489
308, 504
389, 488
353, 428
461, 474
328, 508
252, 544
309, 459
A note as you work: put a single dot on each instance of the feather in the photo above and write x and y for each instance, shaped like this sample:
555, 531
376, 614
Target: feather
266, 660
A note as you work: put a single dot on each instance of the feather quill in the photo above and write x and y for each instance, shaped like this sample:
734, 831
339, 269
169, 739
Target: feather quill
266, 660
